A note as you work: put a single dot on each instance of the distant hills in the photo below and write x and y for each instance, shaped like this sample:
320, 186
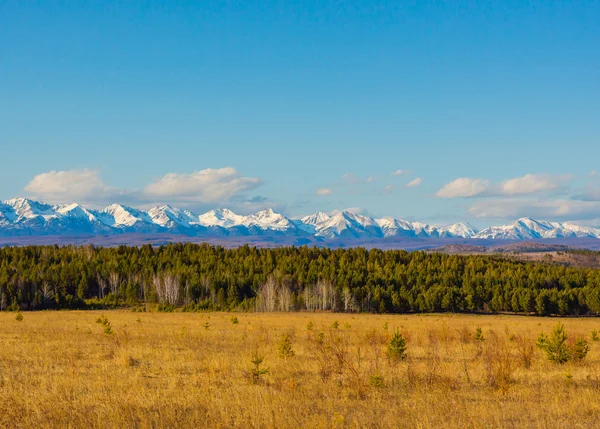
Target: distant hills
22, 217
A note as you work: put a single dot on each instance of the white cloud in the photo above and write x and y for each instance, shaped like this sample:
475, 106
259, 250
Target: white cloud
398, 173
463, 187
414, 183
388, 189
560, 209
532, 184
84, 186
209, 185
593, 173
370, 179
323, 192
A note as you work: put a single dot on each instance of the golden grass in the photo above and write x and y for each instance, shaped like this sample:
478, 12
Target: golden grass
59, 369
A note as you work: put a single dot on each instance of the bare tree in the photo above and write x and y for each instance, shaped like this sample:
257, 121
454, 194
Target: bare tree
348, 299
167, 288
102, 286
267, 295
326, 295
208, 291
114, 280
47, 292
311, 300
285, 299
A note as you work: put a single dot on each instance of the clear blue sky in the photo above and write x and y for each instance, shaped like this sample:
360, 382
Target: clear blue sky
294, 95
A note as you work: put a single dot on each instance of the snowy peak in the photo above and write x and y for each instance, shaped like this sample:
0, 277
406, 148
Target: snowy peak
22, 216
26, 208
268, 219
527, 228
117, 215
167, 216
460, 229
220, 217
347, 224
315, 218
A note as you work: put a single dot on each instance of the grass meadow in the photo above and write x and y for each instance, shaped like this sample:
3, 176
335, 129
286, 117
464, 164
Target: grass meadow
89, 369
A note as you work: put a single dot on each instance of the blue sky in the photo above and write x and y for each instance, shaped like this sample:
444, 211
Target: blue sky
305, 106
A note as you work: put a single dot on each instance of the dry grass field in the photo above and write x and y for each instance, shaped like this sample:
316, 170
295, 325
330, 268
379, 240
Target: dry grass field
155, 370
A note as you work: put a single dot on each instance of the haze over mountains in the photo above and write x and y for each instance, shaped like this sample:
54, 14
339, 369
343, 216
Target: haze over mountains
21, 217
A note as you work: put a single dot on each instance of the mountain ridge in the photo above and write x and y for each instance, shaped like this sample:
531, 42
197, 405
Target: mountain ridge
26, 217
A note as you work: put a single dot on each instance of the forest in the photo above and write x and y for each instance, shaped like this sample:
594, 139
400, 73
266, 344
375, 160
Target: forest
192, 277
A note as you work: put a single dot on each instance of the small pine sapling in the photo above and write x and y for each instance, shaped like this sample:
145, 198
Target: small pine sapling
396, 349
555, 346
479, 334
580, 349
285, 347
256, 371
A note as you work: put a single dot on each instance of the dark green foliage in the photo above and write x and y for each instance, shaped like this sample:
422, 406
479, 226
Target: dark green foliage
479, 334
376, 380
234, 320
102, 320
396, 349
256, 372
555, 345
580, 349
595, 336
285, 347
19, 317
208, 278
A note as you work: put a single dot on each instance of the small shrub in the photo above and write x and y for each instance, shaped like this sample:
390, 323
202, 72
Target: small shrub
234, 320
555, 346
396, 349
595, 335
256, 371
310, 326
479, 334
285, 347
335, 324
542, 341
102, 320
385, 326
580, 349
499, 365
206, 326
376, 380
524, 350
19, 317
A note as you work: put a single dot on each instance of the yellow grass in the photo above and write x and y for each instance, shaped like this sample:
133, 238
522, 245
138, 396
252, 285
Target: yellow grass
59, 369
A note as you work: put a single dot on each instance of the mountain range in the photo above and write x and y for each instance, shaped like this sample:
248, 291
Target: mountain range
24, 217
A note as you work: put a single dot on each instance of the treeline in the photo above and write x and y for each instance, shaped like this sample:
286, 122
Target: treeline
203, 277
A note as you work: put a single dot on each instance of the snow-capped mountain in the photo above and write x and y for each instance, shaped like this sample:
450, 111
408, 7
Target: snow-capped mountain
346, 224
460, 229
391, 227
309, 223
527, 228
25, 217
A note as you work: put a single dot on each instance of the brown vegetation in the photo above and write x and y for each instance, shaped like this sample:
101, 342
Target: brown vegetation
66, 369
